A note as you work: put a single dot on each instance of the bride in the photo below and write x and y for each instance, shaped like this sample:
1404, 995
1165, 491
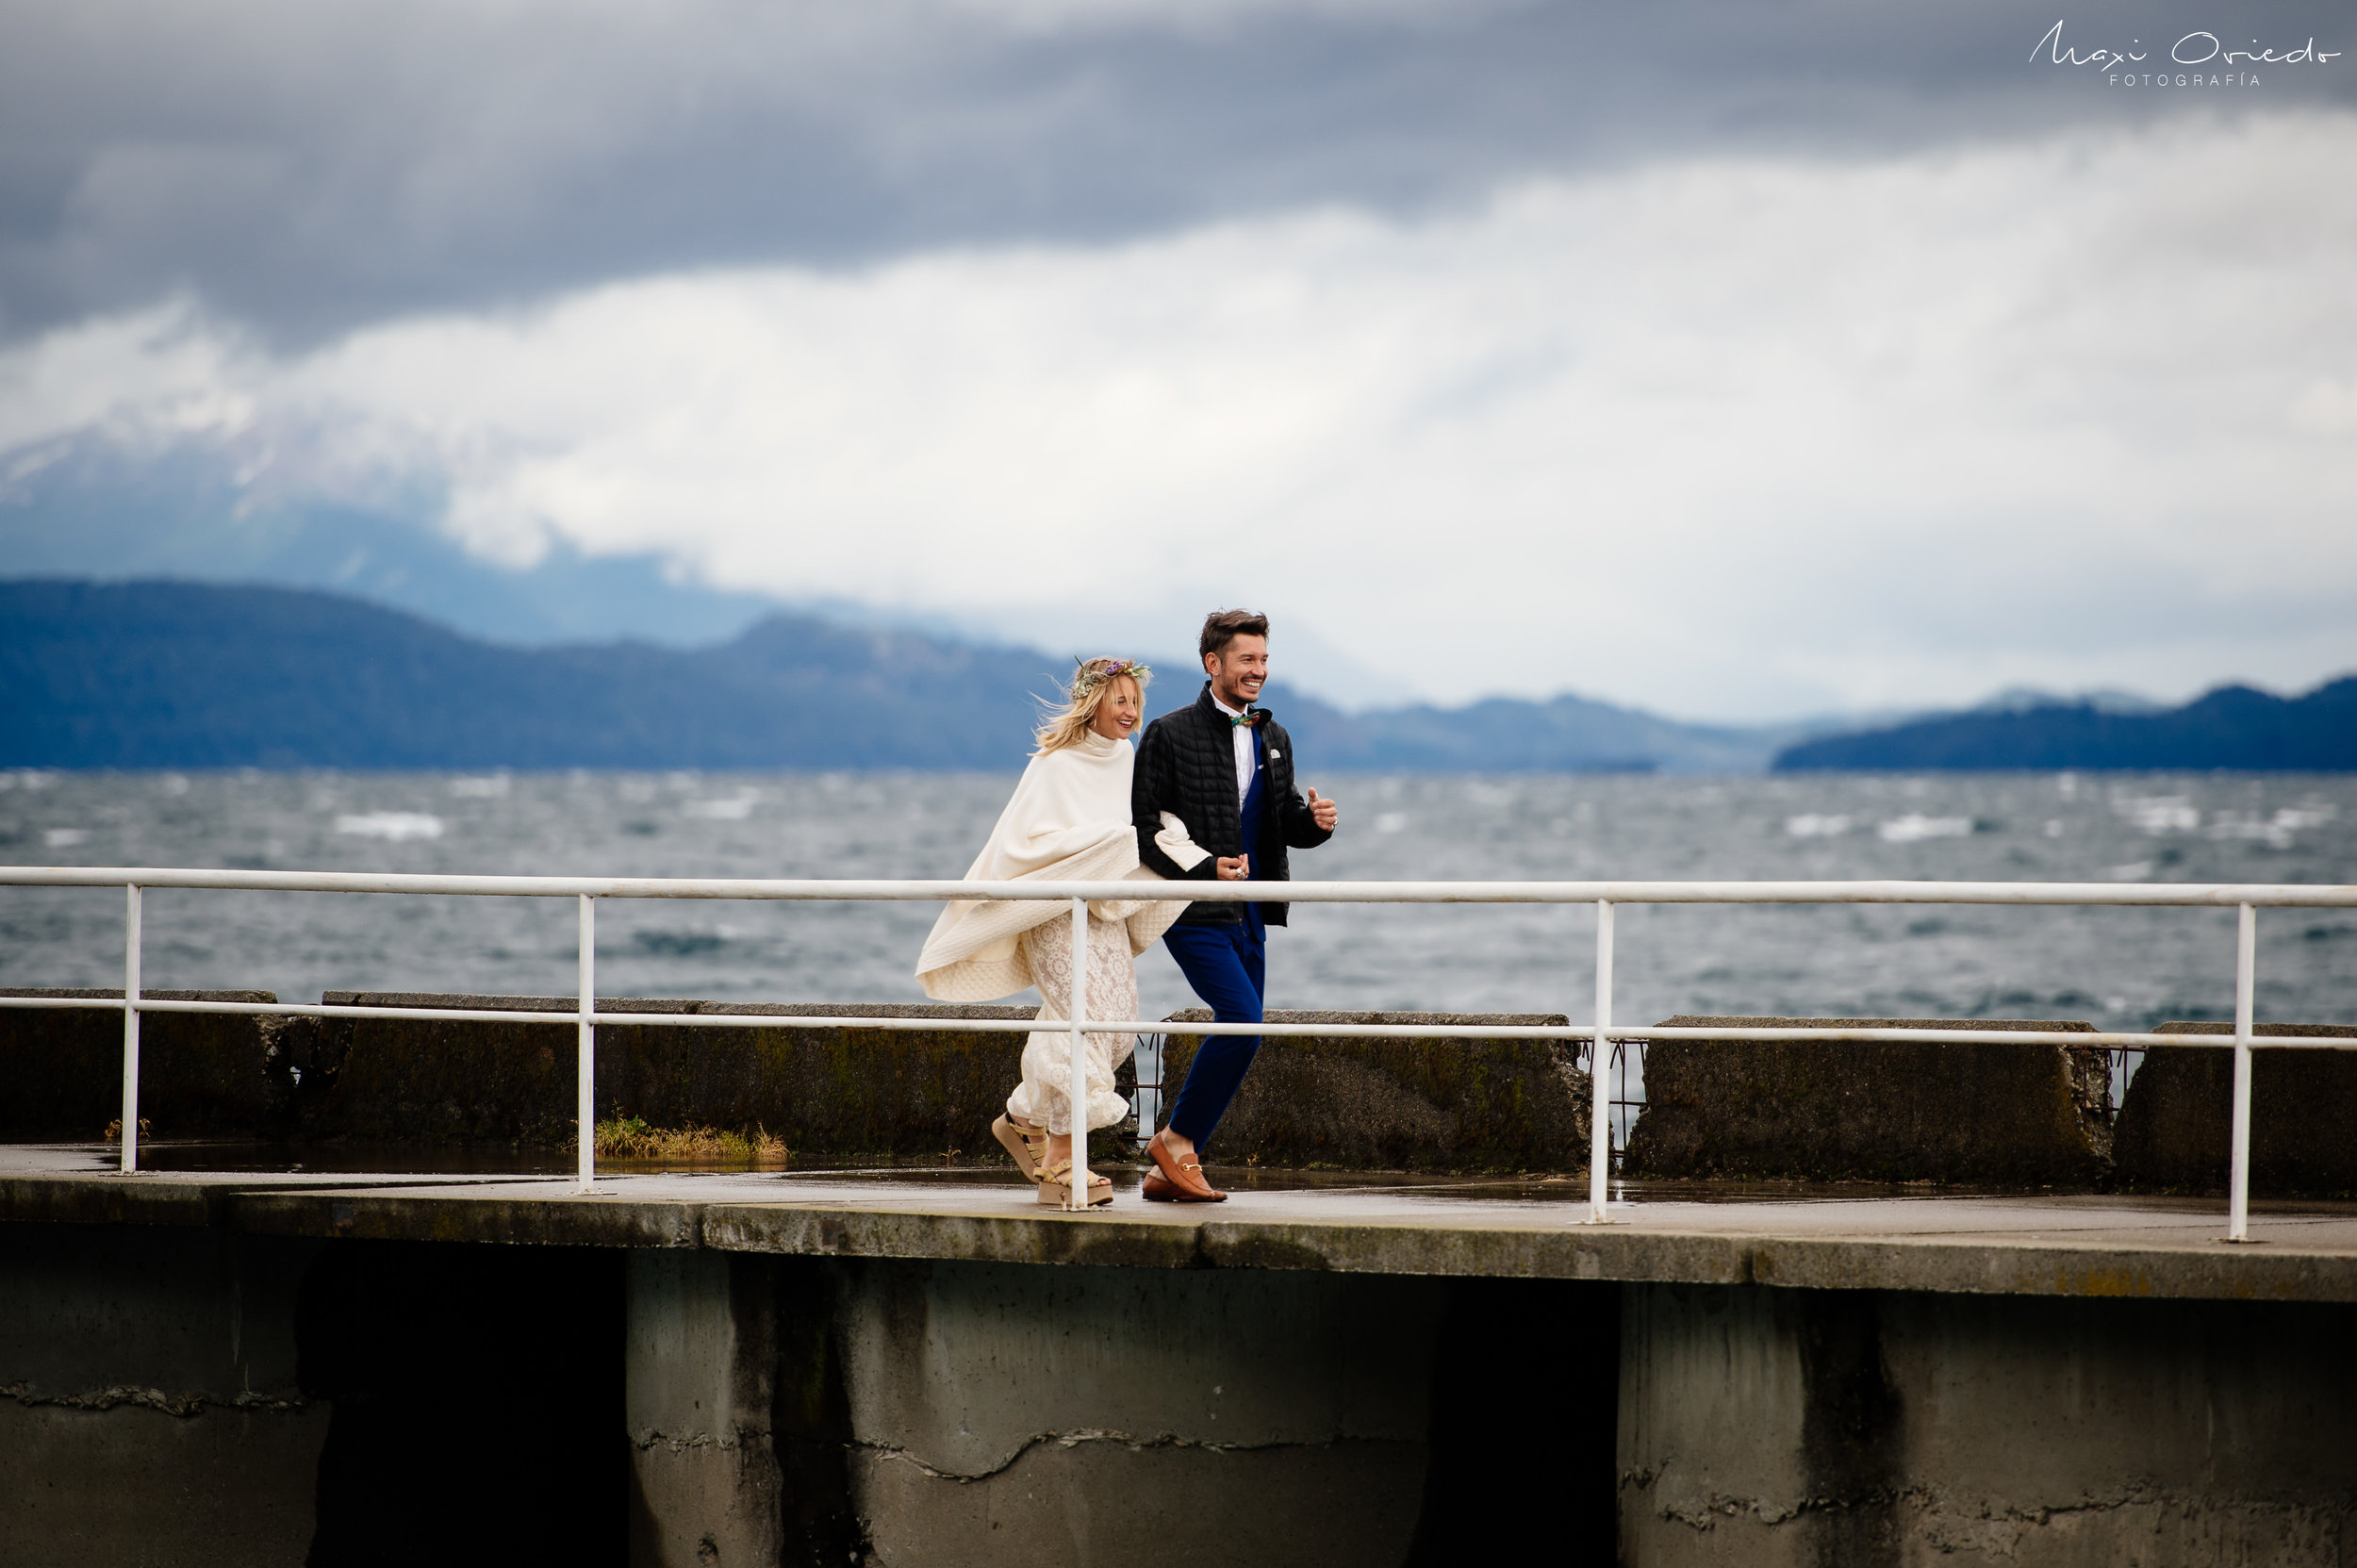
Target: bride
1069, 821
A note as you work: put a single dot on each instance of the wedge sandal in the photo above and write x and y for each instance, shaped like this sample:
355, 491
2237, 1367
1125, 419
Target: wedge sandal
1056, 1181
1028, 1143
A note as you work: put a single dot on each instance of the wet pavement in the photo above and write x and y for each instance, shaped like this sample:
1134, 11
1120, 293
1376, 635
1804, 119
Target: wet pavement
1767, 1233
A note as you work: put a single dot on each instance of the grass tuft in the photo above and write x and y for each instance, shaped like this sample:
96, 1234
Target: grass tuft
634, 1139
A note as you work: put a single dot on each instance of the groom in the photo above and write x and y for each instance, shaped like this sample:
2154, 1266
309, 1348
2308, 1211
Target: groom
1213, 798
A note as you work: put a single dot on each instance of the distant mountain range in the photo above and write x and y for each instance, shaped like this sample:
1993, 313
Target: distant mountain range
1505, 736
2233, 726
184, 675
173, 674
197, 675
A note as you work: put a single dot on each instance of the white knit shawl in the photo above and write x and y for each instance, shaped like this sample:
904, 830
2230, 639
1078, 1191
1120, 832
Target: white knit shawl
1068, 822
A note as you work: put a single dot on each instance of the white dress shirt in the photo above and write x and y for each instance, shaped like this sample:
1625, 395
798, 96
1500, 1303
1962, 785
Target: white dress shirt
1243, 733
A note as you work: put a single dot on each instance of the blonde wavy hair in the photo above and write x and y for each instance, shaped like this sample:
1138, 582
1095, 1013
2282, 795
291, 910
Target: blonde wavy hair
1090, 681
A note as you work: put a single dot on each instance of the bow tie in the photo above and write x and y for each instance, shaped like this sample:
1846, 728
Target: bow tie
1249, 716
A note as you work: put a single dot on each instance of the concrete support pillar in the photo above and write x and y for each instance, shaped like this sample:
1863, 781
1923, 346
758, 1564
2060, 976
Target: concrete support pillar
1769, 1426
699, 1360
900, 1413
1032, 1416
149, 1410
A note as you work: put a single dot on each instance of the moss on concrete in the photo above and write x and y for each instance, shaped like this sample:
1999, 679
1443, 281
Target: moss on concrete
1837, 1109
1436, 1105
835, 1093
2174, 1123
829, 1093
201, 1075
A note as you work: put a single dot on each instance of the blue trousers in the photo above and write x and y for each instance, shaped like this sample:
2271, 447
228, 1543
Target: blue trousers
1227, 966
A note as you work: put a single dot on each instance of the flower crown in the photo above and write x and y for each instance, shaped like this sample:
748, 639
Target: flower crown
1093, 673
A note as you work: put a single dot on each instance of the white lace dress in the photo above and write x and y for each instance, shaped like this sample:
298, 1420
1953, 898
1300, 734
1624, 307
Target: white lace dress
1044, 1097
1068, 822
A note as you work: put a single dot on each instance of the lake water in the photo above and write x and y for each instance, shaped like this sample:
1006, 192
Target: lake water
2118, 967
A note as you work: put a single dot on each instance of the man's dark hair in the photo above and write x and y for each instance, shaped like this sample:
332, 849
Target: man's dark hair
1222, 627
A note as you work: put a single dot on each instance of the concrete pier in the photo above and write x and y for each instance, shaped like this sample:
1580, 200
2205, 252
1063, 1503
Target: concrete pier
928, 1368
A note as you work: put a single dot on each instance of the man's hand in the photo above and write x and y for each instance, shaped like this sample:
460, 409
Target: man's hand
1235, 868
1323, 812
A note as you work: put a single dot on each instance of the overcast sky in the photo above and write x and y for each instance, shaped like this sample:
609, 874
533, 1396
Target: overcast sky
1730, 359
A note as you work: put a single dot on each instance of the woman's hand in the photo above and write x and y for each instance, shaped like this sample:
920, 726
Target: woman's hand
1235, 868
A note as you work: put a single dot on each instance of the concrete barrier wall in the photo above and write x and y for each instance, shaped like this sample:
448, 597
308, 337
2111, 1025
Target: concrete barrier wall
200, 1075
1991, 1114
829, 1093
844, 1093
2175, 1122
1360, 1104
826, 1092
1828, 1111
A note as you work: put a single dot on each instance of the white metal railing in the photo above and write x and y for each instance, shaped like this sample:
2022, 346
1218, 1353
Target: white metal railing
2246, 898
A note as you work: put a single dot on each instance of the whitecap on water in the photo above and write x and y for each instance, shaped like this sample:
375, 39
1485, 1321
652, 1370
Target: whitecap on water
2276, 831
66, 838
1810, 824
734, 809
2158, 814
1915, 827
394, 825
491, 788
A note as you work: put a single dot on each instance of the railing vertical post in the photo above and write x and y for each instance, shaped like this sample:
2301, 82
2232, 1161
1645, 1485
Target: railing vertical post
1076, 1099
1147, 1055
1600, 1074
2239, 1169
586, 1070
131, 1029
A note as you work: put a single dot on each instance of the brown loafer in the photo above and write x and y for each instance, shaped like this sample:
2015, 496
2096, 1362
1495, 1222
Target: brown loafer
1177, 1180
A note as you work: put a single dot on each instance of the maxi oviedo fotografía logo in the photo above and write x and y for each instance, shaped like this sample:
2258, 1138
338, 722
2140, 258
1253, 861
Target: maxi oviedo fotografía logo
2197, 60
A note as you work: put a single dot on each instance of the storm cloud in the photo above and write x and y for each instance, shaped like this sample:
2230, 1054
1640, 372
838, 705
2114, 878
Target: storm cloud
301, 166
1740, 360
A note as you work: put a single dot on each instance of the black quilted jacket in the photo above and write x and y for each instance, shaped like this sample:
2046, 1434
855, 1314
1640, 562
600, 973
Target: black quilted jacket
1187, 766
